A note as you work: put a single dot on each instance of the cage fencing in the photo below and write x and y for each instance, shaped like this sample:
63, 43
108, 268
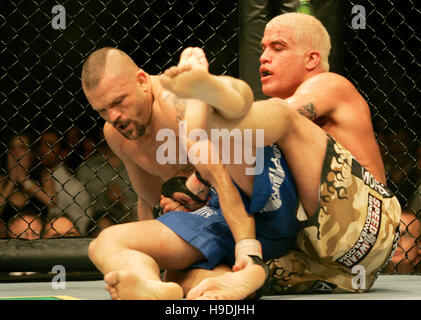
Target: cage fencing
51, 139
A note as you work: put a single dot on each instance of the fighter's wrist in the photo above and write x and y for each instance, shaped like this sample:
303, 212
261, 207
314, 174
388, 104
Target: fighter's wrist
250, 247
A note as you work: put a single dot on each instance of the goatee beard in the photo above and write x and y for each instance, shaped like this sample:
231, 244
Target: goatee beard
137, 132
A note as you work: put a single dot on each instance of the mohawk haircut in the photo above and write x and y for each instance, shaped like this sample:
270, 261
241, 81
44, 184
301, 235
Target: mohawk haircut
93, 68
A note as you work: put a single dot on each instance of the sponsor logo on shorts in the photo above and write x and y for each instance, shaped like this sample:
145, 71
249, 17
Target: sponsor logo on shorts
205, 212
370, 181
368, 235
277, 177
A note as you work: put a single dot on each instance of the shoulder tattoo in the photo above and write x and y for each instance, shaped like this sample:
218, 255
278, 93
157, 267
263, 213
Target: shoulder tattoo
308, 110
177, 103
180, 108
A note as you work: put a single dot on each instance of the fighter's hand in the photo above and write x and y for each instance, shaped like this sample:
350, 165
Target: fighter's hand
243, 250
169, 204
241, 262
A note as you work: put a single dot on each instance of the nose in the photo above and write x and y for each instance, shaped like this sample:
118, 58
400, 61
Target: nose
264, 57
114, 115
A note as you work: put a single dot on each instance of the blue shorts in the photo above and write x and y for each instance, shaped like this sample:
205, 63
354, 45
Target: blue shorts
274, 202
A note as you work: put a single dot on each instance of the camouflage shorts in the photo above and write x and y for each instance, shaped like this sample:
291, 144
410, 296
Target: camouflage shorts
352, 234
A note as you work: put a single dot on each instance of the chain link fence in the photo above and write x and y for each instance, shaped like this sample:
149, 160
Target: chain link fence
383, 61
44, 111
45, 120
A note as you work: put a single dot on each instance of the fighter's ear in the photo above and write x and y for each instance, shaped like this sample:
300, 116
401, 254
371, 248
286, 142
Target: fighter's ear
312, 60
142, 78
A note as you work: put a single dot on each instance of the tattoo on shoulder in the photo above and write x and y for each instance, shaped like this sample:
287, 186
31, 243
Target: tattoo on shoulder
177, 103
180, 108
308, 110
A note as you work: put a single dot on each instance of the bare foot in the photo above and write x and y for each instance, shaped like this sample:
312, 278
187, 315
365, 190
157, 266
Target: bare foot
190, 76
185, 81
124, 285
191, 79
195, 57
230, 286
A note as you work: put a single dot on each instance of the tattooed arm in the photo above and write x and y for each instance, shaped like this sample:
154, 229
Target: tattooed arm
308, 110
321, 96
306, 105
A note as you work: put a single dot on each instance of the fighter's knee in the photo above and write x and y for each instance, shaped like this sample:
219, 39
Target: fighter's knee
92, 249
284, 111
102, 240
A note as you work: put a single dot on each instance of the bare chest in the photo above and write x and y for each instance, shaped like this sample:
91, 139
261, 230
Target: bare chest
159, 158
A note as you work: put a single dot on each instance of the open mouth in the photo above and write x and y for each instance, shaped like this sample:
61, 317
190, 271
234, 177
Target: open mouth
265, 73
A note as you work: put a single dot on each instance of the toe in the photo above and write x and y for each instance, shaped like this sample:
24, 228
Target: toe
115, 296
199, 290
111, 278
193, 294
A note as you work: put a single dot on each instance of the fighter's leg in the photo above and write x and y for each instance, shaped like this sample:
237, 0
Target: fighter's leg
131, 256
301, 141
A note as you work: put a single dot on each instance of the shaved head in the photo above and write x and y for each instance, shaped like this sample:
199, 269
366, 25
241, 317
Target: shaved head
118, 90
106, 62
